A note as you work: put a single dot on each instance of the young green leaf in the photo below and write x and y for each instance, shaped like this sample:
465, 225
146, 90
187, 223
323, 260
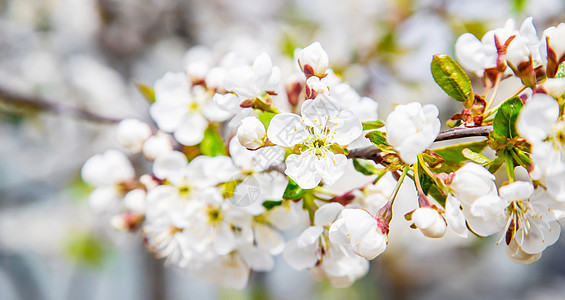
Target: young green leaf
474, 156
504, 123
452, 79
365, 167
146, 91
373, 125
293, 191
269, 204
377, 137
212, 144
453, 155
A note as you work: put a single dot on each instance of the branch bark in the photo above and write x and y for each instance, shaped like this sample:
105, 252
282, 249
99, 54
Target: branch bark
373, 153
43, 105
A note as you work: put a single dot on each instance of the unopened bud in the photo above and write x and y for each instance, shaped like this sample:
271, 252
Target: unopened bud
315, 86
132, 133
251, 133
555, 46
430, 222
157, 145
555, 87
313, 60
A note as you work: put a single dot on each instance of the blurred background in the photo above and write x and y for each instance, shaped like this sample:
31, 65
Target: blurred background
68, 70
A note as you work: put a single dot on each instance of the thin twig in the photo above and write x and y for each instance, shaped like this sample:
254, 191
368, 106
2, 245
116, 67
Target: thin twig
43, 105
372, 152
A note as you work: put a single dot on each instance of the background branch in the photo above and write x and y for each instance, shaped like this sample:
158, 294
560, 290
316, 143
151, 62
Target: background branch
38, 104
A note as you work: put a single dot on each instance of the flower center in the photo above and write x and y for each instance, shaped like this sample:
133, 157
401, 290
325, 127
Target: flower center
193, 107
214, 214
184, 191
557, 135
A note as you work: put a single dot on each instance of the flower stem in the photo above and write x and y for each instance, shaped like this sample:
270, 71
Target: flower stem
509, 166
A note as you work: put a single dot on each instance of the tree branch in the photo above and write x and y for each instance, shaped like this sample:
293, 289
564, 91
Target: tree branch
373, 153
39, 104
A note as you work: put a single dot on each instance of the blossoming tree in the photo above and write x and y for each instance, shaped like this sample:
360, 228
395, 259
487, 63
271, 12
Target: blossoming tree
242, 151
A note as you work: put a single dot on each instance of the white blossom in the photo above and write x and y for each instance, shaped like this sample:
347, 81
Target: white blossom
361, 232
430, 222
313, 60
321, 126
182, 109
107, 172
251, 133
539, 123
411, 129
132, 133
253, 82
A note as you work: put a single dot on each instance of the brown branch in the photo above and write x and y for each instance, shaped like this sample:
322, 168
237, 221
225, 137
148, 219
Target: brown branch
457, 133
373, 153
43, 105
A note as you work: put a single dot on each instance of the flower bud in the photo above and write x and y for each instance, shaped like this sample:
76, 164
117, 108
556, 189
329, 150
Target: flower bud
471, 182
519, 59
134, 201
411, 129
157, 145
314, 86
132, 133
555, 47
313, 60
555, 87
430, 222
196, 71
251, 133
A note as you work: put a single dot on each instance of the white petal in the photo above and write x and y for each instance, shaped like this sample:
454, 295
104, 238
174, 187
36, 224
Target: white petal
191, 130
326, 214
299, 258
317, 111
287, 130
331, 167
171, 166
301, 168
347, 128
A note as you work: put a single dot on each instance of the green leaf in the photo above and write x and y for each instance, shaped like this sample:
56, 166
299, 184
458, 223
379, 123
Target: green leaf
85, 248
377, 137
474, 156
146, 91
518, 6
453, 155
269, 204
504, 123
365, 167
212, 144
265, 118
373, 125
293, 191
452, 79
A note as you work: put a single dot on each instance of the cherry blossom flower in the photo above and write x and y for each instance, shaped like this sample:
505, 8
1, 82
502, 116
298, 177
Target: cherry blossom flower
184, 110
325, 259
540, 124
361, 232
313, 60
411, 129
321, 126
430, 222
248, 83
132, 133
251, 133
108, 172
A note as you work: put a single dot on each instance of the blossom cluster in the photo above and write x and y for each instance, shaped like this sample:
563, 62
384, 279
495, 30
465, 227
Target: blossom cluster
244, 153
